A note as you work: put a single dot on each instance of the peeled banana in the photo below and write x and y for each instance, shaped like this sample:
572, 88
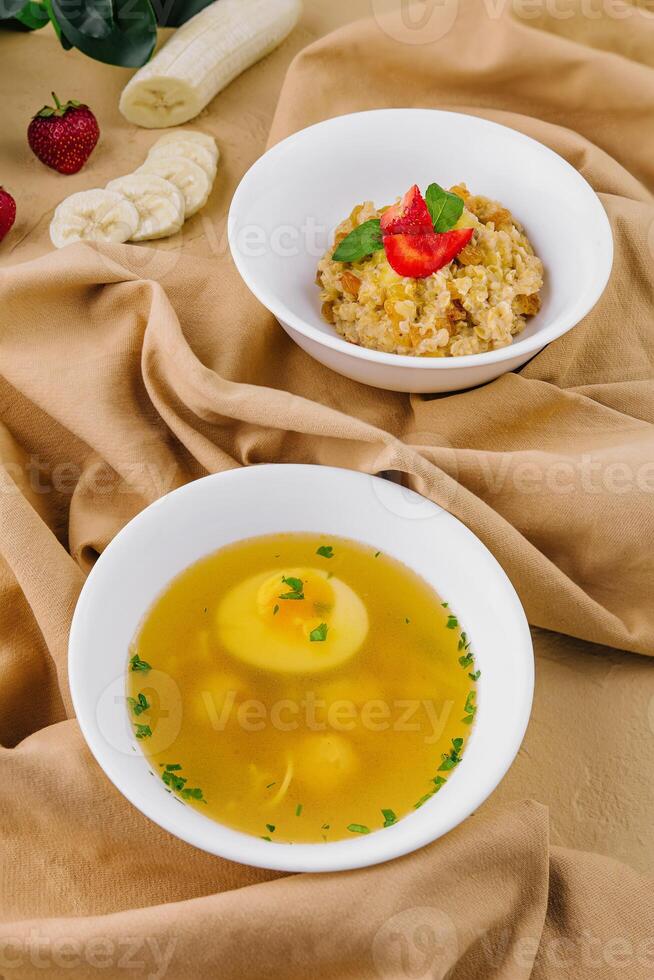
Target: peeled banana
94, 216
174, 182
159, 203
186, 148
189, 136
203, 56
191, 179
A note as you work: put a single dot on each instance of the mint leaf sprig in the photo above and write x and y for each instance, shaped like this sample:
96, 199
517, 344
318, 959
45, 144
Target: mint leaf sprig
363, 241
444, 207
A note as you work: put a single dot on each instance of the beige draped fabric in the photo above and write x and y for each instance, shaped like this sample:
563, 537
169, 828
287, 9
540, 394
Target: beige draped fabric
126, 371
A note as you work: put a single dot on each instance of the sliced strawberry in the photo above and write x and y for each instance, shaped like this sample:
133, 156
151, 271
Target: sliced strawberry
421, 254
410, 216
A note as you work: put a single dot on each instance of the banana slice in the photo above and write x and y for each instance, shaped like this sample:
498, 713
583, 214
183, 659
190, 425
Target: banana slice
203, 56
159, 203
187, 176
188, 149
93, 216
190, 136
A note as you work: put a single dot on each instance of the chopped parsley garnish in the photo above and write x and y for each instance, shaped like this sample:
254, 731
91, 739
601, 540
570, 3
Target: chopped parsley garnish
358, 828
319, 634
178, 783
389, 818
325, 826
452, 622
270, 785
139, 704
192, 794
475, 676
143, 731
270, 827
137, 664
174, 781
444, 605
438, 781
377, 554
453, 757
467, 657
298, 810
275, 609
325, 551
295, 585
406, 619
267, 838
470, 709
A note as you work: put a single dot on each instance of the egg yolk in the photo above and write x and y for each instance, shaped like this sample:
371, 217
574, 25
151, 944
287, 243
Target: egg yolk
279, 602
295, 620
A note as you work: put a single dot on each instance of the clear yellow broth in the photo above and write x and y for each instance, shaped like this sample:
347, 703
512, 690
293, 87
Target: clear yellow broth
301, 712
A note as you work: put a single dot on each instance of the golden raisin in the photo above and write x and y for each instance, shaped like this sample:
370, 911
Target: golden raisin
455, 312
470, 255
350, 283
327, 311
500, 217
460, 190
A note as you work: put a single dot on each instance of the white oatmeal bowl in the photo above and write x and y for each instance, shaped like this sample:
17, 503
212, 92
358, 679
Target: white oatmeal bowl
538, 261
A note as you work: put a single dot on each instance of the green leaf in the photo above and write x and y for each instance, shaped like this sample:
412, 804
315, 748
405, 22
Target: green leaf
319, 634
452, 622
173, 13
445, 208
137, 664
143, 731
10, 8
358, 828
389, 817
325, 551
33, 15
120, 33
363, 241
65, 43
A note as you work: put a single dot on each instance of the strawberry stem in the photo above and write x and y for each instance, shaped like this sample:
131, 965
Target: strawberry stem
57, 102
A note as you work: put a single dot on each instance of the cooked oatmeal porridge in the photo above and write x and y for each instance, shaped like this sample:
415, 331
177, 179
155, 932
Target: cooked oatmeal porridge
476, 302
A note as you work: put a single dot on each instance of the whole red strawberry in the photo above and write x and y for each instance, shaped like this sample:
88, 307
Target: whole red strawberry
64, 137
7, 212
